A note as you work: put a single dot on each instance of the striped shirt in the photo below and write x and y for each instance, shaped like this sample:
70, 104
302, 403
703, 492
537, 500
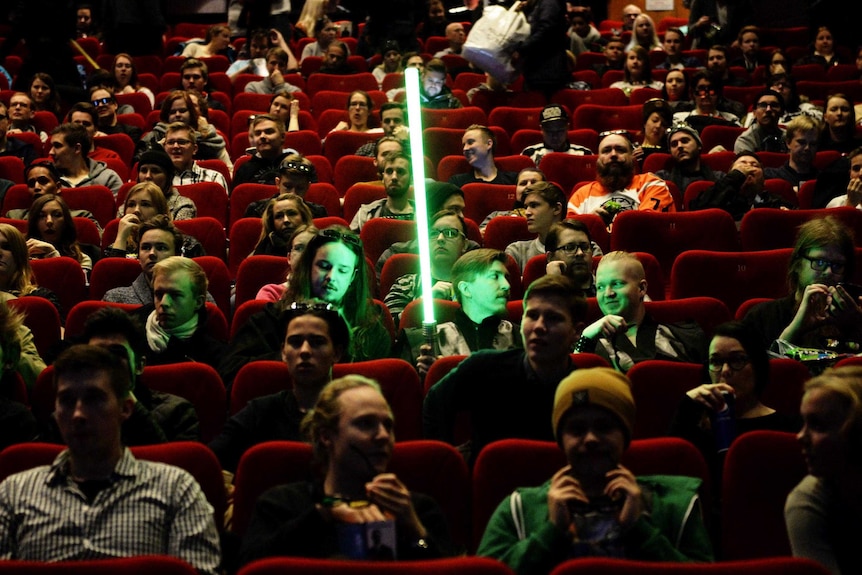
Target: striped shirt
146, 508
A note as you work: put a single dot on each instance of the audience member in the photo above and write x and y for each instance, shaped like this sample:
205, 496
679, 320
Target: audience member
97, 474
325, 32
583, 36
626, 335
352, 437
194, 75
544, 205
637, 72
157, 167
18, 423
392, 120
657, 119
706, 92
106, 109
801, 138
765, 135
397, 178
216, 43
674, 39
629, 15
181, 145
818, 312
335, 59
296, 173
14, 146
315, 338
252, 56
823, 50
825, 501
615, 55
570, 250
508, 393
70, 145
283, 215
853, 194
435, 21
286, 108
594, 506
126, 79
685, 148
456, 37
296, 245
51, 233
84, 114
713, 22
748, 41
718, 69
360, 107
617, 188
391, 63
644, 34
676, 91
21, 116
44, 95
433, 91
274, 82
839, 134
479, 142
157, 417
267, 133
16, 276
740, 190
175, 322
554, 123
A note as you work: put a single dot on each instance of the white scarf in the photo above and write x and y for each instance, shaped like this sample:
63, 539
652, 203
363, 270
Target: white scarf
158, 338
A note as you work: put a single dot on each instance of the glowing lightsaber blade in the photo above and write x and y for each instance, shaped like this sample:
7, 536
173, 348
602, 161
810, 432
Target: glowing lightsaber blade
414, 121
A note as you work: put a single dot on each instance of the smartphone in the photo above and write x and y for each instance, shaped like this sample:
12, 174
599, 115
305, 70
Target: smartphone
855, 290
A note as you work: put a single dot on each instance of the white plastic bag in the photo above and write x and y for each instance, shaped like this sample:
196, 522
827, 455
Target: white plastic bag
493, 38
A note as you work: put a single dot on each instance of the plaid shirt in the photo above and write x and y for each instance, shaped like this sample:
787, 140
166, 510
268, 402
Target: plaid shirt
147, 508
198, 174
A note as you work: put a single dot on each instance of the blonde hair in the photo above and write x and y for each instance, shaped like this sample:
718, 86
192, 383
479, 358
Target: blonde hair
631, 262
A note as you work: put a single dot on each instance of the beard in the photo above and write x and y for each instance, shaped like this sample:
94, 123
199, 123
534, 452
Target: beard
615, 175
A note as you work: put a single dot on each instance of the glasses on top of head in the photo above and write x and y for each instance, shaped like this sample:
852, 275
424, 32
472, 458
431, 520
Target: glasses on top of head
625, 133
736, 362
572, 248
291, 166
101, 101
347, 237
820, 265
304, 306
448, 233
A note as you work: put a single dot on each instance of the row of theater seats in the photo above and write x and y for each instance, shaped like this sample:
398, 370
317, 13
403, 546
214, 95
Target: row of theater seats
455, 566
760, 469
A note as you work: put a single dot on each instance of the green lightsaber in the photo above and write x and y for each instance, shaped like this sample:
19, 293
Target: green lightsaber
414, 120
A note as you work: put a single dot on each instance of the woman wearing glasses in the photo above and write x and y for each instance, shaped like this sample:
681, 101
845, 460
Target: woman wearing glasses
738, 368
332, 269
359, 111
706, 92
821, 311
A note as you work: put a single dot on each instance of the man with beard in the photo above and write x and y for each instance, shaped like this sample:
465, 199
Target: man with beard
479, 143
617, 188
626, 334
765, 135
801, 136
267, 135
740, 190
685, 147
433, 93
397, 178
508, 393
570, 251
594, 505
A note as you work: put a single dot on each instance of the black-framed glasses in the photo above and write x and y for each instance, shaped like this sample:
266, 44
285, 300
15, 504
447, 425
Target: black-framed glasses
736, 362
448, 233
178, 142
347, 237
767, 105
292, 166
101, 101
820, 265
572, 248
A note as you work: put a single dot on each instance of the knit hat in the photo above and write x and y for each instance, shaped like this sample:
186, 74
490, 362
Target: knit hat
159, 158
600, 386
554, 113
660, 106
681, 127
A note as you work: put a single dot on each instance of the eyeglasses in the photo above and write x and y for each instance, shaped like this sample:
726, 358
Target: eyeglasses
705, 91
820, 265
192, 76
736, 362
624, 133
178, 142
101, 101
768, 105
347, 237
448, 233
573, 248
41, 180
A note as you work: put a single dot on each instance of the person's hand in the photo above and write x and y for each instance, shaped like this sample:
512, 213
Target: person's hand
401, 132
843, 308
556, 268
344, 513
623, 485
709, 395
277, 78
442, 290
126, 227
275, 36
607, 327
294, 108
702, 21
854, 192
813, 311
563, 492
203, 125
604, 214
388, 493
38, 249
638, 153
425, 360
